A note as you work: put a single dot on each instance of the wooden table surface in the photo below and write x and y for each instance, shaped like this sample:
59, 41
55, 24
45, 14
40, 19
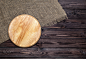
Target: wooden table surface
65, 40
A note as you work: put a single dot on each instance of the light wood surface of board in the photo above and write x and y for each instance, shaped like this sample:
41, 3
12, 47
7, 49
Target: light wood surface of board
24, 30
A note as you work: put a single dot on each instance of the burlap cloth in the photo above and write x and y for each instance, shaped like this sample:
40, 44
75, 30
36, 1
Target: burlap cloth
47, 12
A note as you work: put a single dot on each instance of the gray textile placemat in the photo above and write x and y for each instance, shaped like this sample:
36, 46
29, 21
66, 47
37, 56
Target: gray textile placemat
47, 12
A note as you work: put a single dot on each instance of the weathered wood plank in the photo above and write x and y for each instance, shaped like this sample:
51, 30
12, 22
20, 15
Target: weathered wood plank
44, 52
54, 28
69, 25
74, 8
73, 4
75, 38
72, 25
81, 21
65, 41
66, 45
63, 33
44, 58
54, 42
75, 14
79, 1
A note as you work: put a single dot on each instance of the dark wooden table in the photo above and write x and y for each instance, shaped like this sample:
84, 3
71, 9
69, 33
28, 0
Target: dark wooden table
65, 40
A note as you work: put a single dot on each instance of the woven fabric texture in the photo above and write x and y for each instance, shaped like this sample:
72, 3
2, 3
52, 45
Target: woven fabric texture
47, 12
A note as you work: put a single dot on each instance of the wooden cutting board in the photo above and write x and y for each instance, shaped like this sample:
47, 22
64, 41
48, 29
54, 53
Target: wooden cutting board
24, 30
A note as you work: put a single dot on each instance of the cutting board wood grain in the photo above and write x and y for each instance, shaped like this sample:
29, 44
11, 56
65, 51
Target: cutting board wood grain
24, 30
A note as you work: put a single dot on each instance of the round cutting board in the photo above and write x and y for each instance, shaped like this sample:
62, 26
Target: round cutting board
24, 30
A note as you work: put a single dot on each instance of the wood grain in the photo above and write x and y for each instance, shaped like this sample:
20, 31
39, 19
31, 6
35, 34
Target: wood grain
75, 9
54, 37
42, 53
73, 4
46, 58
65, 40
24, 30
